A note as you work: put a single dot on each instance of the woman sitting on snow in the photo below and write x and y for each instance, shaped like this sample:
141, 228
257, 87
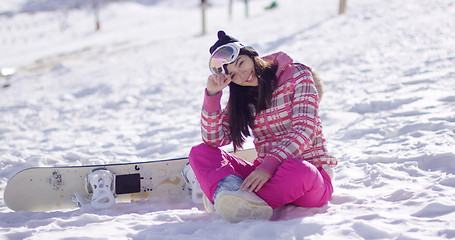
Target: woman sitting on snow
278, 100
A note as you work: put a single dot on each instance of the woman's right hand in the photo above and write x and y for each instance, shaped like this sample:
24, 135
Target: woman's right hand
216, 83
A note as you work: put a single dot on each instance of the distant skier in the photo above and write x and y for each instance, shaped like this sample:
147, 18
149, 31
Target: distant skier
277, 100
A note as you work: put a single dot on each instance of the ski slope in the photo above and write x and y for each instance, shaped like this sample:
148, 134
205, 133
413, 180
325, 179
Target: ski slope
133, 92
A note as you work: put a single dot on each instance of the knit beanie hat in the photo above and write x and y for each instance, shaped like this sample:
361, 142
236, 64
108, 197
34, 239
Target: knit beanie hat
222, 40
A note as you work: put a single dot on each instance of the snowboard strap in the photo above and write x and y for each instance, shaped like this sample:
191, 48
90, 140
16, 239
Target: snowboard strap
101, 182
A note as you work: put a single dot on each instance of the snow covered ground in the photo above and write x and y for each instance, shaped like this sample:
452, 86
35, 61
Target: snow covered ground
133, 92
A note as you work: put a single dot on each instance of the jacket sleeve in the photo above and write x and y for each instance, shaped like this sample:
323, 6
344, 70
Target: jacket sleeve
214, 123
304, 119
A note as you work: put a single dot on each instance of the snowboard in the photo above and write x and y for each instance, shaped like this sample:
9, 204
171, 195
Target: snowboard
43, 189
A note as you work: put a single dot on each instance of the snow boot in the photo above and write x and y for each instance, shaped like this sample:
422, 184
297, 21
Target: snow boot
235, 206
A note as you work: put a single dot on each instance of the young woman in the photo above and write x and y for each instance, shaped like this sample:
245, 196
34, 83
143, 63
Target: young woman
275, 100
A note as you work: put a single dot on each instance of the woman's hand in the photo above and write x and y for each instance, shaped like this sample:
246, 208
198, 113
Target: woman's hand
255, 180
216, 83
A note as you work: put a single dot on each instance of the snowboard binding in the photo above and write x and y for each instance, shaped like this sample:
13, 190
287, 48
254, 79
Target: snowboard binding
100, 184
197, 194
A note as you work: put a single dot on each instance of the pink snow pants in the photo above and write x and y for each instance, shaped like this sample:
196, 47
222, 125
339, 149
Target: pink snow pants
295, 181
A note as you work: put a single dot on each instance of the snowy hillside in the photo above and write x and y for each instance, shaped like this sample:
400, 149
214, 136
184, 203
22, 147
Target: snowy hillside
133, 92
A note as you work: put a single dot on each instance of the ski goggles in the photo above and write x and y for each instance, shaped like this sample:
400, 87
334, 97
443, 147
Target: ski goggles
223, 56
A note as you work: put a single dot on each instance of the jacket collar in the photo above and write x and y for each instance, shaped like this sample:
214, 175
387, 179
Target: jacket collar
284, 62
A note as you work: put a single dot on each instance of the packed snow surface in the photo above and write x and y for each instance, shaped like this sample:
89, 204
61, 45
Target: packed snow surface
132, 91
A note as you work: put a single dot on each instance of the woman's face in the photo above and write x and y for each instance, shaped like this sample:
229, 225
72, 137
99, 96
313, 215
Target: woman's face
241, 71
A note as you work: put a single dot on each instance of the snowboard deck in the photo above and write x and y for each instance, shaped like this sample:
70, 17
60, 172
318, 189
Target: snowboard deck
43, 189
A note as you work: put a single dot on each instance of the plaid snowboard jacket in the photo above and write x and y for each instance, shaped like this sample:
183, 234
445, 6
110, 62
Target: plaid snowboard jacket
290, 128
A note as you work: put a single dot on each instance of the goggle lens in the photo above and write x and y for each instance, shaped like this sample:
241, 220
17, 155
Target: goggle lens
222, 56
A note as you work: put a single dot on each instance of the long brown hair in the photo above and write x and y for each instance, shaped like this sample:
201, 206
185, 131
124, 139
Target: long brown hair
246, 102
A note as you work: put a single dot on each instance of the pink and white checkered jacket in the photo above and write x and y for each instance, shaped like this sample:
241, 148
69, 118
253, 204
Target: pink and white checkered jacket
290, 128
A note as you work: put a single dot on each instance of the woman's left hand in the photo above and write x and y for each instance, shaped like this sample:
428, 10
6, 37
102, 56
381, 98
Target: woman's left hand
255, 180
